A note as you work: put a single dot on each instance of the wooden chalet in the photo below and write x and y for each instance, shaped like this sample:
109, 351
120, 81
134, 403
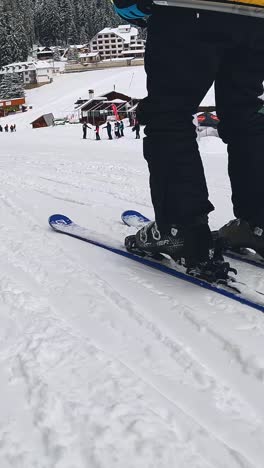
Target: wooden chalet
45, 120
45, 53
10, 106
97, 110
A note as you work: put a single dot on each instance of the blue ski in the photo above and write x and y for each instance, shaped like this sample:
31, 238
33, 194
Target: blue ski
137, 220
64, 225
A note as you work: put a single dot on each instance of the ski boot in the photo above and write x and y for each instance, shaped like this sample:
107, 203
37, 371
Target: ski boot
238, 234
150, 239
188, 246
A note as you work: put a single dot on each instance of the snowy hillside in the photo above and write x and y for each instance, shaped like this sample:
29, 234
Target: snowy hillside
104, 363
59, 96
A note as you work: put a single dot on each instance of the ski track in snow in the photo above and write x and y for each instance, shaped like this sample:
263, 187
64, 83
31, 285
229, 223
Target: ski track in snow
104, 363
37, 393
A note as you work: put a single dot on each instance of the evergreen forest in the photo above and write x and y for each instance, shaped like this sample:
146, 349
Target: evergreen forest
49, 22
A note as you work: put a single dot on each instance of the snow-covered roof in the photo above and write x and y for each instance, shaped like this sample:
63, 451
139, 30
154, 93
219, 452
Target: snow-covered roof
125, 31
133, 51
41, 49
44, 50
119, 59
118, 101
78, 46
57, 48
90, 54
43, 64
97, 98
48, 118
24, 66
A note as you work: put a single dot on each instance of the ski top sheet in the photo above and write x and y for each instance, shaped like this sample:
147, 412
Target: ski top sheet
137, 220
238, 7
246, 296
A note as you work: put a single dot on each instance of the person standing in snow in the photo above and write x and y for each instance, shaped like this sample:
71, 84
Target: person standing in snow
1, 128
187, 51
6, 128
117, 129
136, 129
97, 133
84, 128
109, 130
121, 127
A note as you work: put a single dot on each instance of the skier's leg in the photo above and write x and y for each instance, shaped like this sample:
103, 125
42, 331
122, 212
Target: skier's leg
182, 59
181, 63
238, 86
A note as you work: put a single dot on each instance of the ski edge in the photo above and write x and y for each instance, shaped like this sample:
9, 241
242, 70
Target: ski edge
63, 228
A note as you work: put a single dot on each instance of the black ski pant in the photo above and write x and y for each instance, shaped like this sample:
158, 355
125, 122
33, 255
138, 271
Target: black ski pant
186, 53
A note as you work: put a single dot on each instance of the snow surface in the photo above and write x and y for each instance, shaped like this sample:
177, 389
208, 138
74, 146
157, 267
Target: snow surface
104, 363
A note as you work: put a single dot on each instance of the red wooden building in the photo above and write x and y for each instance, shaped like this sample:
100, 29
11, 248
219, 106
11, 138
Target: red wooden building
45, 120
9, 106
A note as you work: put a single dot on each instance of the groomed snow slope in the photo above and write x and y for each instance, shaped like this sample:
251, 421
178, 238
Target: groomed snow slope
104, 363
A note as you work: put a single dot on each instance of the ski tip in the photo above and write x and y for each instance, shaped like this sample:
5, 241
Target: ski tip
126, 215
58, 220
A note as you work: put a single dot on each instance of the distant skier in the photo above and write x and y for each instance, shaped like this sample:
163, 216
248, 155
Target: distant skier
186, 52
6, 128
136, 129
117, 129
109, 130
1, 128
97, 133
121, 128
84, 127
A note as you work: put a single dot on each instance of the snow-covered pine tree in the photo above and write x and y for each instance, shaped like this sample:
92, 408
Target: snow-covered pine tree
66, 9
5, 51
18, 89
11, 86
5, 86
73, 36
16, 30
26, 14
83, 36
50, 22
79, 20
56, 54
73, 53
